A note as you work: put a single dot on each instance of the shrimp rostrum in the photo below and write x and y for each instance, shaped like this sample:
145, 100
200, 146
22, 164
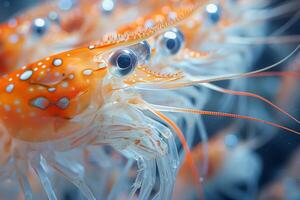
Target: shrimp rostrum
94, 96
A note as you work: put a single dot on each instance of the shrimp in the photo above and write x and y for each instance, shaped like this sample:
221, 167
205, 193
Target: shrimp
59, 29
94, 96
73, 99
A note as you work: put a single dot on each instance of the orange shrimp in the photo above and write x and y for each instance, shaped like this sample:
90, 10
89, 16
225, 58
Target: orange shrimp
70, 99
90, 96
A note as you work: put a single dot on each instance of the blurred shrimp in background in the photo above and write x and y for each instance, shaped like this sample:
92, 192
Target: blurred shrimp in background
238, 162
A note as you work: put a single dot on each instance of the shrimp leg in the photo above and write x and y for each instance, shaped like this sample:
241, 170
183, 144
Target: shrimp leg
143, 142
39, 167
73, 174
22, 178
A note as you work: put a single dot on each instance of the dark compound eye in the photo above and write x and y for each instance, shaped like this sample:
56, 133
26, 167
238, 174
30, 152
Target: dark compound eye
172, 41
40, 26
213, 12
123, 61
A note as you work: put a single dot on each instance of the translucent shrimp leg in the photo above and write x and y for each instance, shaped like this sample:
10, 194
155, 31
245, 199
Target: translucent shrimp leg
143, 144
73, 174
146, 168
147, 171
20, 168
117, 186
39, 167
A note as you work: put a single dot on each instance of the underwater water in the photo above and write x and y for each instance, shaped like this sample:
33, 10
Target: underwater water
133, 99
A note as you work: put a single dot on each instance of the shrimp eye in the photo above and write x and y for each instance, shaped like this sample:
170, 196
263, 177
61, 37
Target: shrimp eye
40, 26
172, 41
213, 12
123, 61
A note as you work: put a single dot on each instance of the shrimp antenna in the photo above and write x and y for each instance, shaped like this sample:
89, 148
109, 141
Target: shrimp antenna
249, 94
222, 114
295, 74
262, 40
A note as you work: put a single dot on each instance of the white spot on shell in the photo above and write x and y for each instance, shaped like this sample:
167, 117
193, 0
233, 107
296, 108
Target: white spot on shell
57, 62
211, 8
51, 89
26, 75
63, 103
10, 88
65, 84
7, 107
40, 102
101, 65
91, 46
87, 72
71, 76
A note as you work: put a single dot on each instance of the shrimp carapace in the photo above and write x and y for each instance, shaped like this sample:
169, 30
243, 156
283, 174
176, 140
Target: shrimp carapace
44, 96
